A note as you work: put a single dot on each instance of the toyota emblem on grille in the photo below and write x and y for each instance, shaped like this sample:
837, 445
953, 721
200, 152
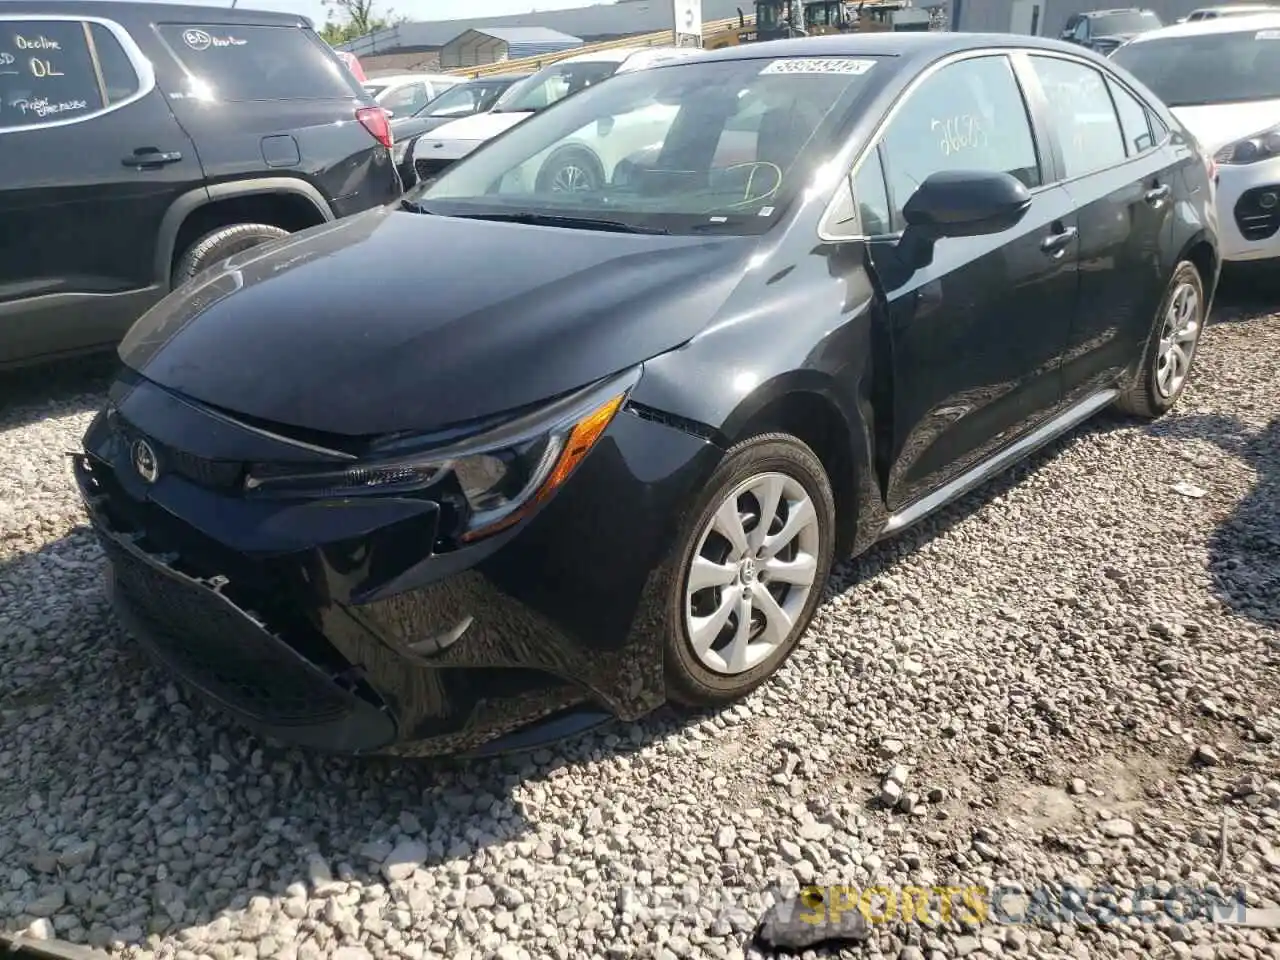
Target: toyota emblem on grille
144, 461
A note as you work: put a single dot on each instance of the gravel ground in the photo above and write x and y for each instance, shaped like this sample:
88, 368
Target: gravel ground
1073, 671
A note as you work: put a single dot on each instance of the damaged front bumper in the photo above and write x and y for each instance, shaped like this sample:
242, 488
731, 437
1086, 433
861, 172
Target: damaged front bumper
335, 626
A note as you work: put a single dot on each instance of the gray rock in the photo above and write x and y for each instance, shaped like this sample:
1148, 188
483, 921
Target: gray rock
407, 856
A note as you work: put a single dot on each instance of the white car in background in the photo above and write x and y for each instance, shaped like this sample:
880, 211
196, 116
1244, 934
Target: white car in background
1227, 10
453, 141
1221, 78
404, 94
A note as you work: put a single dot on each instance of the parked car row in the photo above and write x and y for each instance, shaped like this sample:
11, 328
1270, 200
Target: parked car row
473, 469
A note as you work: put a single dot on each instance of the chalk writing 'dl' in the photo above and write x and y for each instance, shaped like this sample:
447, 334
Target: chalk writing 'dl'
35, 43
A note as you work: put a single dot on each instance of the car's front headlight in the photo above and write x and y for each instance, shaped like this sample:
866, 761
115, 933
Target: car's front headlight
1261, 146
487, 482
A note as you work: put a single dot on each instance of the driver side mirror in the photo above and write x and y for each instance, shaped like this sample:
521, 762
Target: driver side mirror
960, 203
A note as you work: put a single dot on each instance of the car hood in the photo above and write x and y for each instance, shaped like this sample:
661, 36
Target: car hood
481, 126
408, 127
391, 320
1215, 125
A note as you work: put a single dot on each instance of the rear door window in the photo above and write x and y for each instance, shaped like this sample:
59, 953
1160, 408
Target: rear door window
47, 73
1082, 114
257, 62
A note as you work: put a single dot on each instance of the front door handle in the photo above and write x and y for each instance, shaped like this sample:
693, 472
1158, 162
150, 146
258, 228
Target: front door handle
1056, 243
145, 157
1156, 195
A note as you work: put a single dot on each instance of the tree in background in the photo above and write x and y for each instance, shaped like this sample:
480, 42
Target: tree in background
355, 18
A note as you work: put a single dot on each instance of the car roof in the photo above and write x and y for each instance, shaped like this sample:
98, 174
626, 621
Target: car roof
489, 78
1197, 28
155, 12
928, 45
393, 78
613, 55
1106, 13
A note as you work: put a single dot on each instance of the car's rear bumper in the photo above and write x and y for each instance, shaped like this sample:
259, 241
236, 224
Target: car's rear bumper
333, 626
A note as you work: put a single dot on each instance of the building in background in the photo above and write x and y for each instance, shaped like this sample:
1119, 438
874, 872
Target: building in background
476, 48
417, 46
1046, 18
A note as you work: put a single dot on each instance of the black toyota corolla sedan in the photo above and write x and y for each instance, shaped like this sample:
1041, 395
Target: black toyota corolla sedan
472, 471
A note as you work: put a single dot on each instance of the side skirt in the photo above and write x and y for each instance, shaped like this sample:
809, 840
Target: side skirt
1005, 458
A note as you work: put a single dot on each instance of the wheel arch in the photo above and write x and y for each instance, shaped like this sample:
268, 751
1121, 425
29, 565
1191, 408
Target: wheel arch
292, 199
1200, 250
806, 405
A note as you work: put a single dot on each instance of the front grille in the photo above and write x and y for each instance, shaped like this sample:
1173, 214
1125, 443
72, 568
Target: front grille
213, 474
219, 647
425, 169
1257, 220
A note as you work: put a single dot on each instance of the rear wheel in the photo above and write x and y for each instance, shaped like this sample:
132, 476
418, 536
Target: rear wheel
219, 244
1166, 364
752, 564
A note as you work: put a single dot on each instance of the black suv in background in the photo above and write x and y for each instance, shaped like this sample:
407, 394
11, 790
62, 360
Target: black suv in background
143, 142
1104, 30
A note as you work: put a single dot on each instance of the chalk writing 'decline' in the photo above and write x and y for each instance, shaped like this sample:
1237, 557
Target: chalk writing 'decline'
38, 43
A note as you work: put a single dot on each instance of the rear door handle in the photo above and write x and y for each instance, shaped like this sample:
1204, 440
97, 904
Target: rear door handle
151, 157
1056, 243
1155, 196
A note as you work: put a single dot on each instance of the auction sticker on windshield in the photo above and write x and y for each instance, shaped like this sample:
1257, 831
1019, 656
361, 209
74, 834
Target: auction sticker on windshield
844, 65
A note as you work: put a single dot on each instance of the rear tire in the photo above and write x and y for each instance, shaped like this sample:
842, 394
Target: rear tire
1170, 353
219, 244
736, 611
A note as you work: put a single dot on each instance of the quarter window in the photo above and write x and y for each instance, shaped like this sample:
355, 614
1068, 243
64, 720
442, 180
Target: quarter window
870, 196
46, 72
1133, 120
967, 116
1082, 114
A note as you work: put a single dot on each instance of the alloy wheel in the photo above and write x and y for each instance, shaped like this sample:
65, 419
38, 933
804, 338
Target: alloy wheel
572, 178
1178, 339
754, 568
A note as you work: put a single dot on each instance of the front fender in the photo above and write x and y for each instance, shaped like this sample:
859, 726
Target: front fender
739, 375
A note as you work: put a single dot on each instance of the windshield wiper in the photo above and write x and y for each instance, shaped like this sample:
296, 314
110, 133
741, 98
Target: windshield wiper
554, 220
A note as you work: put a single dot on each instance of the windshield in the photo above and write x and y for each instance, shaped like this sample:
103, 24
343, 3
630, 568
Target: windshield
717, 146
1134, 22
768, 15
1246, 66
553, 84
465, 99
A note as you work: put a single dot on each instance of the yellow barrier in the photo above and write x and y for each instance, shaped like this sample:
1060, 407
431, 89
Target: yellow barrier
659, 39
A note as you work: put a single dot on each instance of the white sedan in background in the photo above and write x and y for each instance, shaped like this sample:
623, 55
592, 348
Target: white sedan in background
403, 94
574, 165
1221, 78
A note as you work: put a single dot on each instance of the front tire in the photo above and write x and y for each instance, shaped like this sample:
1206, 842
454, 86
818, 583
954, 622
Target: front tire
752, 562
571, 170
1170, 352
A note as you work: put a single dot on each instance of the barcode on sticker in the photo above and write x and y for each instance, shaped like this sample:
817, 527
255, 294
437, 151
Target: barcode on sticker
844, 65
1267, 35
